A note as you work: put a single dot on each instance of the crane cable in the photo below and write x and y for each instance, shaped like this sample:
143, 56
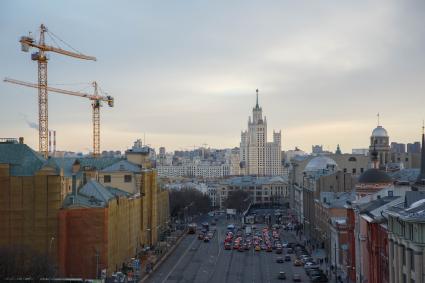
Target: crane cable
57, 37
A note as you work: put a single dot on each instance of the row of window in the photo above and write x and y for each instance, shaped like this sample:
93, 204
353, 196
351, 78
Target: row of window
107, 178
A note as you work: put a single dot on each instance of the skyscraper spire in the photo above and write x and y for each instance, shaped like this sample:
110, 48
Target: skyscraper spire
256, 105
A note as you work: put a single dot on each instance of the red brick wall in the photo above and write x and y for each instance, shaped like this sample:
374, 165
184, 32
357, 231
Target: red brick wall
82, 232
351, 259
378, 255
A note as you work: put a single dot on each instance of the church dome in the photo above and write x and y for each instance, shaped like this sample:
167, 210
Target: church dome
379, 132
320, 163
374, 176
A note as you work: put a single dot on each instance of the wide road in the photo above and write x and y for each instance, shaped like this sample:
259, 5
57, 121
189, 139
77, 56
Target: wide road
196, 261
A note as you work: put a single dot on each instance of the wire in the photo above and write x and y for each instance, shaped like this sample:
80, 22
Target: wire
64, 42
51, 37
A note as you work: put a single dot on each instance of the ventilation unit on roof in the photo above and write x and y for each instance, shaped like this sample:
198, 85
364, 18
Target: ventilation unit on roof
390, 193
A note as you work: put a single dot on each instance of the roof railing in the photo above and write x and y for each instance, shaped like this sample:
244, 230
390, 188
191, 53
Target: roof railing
9, 140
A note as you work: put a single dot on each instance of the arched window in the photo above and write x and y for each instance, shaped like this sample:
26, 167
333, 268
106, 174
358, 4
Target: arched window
352, 159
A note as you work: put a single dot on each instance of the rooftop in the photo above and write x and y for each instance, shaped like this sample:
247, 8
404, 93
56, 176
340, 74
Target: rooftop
22, 159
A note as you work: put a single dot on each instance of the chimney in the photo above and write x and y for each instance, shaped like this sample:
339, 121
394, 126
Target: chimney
21, 140
76, 166
74, 187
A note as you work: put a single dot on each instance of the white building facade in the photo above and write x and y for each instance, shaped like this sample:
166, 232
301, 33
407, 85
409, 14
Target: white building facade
258, 156
194, 170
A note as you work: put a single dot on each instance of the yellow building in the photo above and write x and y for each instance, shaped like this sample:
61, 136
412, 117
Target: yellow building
31, 193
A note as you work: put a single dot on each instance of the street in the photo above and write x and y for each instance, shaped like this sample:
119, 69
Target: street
196, 261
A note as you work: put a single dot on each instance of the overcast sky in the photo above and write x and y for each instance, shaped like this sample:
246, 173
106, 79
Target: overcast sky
185, 72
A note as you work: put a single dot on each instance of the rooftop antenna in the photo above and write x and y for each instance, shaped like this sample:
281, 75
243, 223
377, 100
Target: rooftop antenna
378, 118
256, 105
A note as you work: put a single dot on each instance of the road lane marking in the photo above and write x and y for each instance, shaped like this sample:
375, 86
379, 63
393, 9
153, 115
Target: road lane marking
180, 259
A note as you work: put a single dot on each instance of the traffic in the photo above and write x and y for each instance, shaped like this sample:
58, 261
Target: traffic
257, 239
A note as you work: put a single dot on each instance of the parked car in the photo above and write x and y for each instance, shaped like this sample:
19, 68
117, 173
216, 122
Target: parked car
298, 262
280, 260
319, 279
296, 277
282, 275
287, 258
314, 272
311, 265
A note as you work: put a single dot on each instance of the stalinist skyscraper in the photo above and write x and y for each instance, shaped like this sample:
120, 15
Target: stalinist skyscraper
259, 157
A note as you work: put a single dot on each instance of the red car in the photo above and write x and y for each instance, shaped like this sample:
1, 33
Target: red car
227, 246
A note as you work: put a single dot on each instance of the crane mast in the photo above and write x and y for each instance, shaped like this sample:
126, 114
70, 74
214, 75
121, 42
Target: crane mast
96, 123
43, 117
41, 57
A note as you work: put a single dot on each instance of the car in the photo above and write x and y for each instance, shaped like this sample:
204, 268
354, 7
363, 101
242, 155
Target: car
269, 249
280, 260
287, 258
311, 265
282, 275
257, 248
206, 239
227, 246
285, 244
241, 248
314, 272
307, 259
279, 250
263, 247
298, 262
290, 251
296, 277
319, 279
210, 235
201, 236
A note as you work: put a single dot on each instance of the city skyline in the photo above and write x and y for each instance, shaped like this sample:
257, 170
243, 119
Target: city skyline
185, 74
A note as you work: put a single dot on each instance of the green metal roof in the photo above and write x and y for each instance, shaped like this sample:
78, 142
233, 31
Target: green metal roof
22, 159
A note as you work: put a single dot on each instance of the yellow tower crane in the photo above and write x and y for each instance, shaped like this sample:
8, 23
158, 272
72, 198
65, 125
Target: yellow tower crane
96, 104
41, 57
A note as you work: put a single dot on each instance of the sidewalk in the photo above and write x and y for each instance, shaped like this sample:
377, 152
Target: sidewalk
318, 254
155, 260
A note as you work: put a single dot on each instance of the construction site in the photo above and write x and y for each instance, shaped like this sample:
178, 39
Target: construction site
64, 207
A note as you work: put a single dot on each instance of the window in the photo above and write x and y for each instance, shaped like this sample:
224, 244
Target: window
403, 253
354, 170
412, 260
345, 170
361, 170
127, 178
107, 178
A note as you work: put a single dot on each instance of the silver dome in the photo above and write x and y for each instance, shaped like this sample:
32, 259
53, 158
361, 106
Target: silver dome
379, 132
320, 163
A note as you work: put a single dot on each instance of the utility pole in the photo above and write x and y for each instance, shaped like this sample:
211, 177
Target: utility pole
335, 264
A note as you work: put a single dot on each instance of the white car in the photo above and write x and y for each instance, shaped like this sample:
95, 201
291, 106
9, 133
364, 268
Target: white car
311, 265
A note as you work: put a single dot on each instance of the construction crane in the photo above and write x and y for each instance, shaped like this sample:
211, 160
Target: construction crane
96, 104
41, 57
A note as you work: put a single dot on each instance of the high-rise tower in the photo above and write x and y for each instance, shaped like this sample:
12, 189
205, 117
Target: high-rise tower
259, 157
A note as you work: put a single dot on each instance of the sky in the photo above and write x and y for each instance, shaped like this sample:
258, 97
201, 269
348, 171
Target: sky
184, 73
